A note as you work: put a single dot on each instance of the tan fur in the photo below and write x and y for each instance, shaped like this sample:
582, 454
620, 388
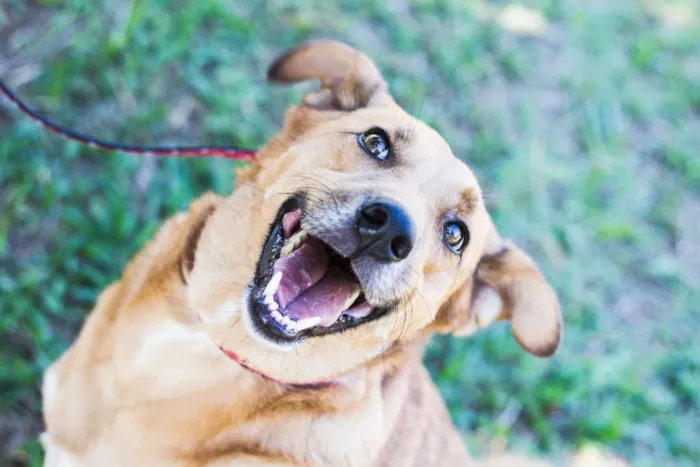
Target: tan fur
146, 383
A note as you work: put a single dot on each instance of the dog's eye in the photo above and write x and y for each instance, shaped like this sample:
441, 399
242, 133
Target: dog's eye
375, 143
456, 235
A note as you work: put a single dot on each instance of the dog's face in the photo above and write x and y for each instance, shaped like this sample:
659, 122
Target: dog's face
359, 229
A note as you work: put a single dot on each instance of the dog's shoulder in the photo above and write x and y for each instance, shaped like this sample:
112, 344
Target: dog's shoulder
166, 248
77, 386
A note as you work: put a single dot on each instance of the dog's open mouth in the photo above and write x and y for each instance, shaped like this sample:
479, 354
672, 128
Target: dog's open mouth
302, 287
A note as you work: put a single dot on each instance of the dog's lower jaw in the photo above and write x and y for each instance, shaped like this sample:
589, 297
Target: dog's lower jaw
246, 316
342, 379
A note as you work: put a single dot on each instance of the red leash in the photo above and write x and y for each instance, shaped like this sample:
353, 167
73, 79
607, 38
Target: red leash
228, 152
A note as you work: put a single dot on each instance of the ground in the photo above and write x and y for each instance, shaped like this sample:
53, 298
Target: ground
581, 119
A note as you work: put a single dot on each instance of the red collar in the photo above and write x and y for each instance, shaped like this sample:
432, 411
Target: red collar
314, 385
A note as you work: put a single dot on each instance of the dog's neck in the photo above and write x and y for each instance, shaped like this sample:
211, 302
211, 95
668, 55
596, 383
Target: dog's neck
310, 385
390, 361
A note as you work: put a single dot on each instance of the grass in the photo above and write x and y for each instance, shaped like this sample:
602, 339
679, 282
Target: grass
585, 137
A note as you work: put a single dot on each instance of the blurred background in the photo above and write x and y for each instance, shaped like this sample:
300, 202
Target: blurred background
581, 119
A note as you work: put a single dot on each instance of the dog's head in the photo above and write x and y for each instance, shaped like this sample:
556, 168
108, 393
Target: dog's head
356, 230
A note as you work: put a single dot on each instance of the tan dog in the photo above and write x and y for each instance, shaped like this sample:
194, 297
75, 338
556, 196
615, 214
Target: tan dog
285, 324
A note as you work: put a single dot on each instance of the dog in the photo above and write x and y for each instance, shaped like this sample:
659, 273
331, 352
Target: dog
285, 324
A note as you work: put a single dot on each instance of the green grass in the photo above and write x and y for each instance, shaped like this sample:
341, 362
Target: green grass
585, 140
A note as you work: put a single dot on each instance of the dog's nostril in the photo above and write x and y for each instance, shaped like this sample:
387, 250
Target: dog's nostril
375, 215
385, 230
401, 247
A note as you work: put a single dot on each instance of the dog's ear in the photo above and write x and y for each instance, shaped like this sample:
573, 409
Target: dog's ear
507, 285
349, 79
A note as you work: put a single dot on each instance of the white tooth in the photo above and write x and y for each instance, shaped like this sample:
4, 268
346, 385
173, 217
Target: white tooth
356, 293
276, 315
273, 306
307, 323
286, 320
268, 299
273, 284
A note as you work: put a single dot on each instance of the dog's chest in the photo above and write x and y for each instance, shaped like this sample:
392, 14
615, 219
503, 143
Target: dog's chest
351, 437
210, 416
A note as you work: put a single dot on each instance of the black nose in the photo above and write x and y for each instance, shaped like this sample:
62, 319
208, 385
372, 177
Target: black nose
386, 231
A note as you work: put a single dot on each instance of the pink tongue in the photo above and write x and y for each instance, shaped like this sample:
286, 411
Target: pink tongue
326, 300
300, 270
309, 288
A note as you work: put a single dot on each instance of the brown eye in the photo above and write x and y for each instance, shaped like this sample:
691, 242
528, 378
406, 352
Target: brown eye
375, 143
456, 236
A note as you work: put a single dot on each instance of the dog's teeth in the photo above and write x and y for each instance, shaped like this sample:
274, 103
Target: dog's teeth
351, 299
287, 249
273, 284
293, 243
272, 305
277, 315
286, 320
307, 323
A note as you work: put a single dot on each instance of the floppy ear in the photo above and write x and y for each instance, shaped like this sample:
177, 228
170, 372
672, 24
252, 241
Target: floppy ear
349, 79
507, 285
